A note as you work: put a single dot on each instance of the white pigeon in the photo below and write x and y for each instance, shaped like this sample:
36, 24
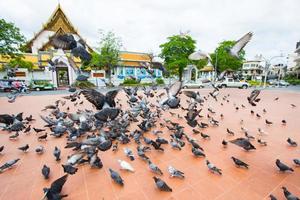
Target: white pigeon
198, 55
240, 44
125, 165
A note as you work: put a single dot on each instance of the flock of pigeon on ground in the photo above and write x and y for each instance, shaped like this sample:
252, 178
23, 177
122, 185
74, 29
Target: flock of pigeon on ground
106, 129
87, 132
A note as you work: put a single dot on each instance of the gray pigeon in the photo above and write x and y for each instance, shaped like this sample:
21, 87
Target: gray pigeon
8, 164
175, 172
297, 161
172, 100
213, 168
272, 197
288, 195
161, 185
46, 171
154, 168
56, 153
283, 167
116, 177
69, 169
239, 163
53, 193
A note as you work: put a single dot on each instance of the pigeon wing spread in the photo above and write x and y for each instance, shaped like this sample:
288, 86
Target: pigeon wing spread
95, 97
240, 44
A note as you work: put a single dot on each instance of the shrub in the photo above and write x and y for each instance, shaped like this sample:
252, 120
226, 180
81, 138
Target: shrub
84, 84
130, 81
292, 80
160, 81
254, 83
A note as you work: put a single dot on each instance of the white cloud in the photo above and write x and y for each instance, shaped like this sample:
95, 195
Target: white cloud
143, 25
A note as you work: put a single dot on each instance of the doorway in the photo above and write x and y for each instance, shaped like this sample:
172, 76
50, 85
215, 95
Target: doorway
62, 76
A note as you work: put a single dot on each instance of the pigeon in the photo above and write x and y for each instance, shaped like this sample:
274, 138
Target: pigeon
69, 169
293, 105
43, 137
125, 165
37, 130
272, 197
27, 129
14, 137
291, 142
39, 149
283, 167
239, 163
197, 152
8, 164
240, 44
116, 177
46, 171
252, 99
154, 168
262, 143
115, 147
288, 195
224, 143
161, 185
194, 95
283, 122
56, 153
1, 148
68, 42
105, 103
297, 161
172, 100
268, 122
244, 143
213, 168
204, 136
175, 172
128, 152
230, 132
53, 193
24, 148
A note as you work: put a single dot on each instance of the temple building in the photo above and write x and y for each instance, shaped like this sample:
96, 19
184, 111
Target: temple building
39, 51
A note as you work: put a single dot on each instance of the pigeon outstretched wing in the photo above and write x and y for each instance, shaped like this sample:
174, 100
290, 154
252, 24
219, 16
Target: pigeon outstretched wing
240, 44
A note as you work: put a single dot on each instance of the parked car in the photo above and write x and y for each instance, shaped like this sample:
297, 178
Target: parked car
283, 83
41, 85
193, 84
230, 82
273, 82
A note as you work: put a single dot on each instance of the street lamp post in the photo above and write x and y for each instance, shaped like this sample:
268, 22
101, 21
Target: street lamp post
268, 64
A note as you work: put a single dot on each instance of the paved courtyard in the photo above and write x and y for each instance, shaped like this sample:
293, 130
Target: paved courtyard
25, 181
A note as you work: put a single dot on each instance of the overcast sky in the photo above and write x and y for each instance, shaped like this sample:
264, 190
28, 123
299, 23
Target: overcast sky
144, 24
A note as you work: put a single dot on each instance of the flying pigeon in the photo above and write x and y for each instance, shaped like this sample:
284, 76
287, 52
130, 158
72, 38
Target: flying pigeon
68, 42
53, 193
172, 100
252, 99
240, 44
244, 143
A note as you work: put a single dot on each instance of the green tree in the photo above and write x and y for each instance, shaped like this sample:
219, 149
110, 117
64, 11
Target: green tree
10, 39
175, 53
109, 53
224, 59
19, 62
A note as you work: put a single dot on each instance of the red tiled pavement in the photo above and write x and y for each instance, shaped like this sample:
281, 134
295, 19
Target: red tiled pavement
25, 181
